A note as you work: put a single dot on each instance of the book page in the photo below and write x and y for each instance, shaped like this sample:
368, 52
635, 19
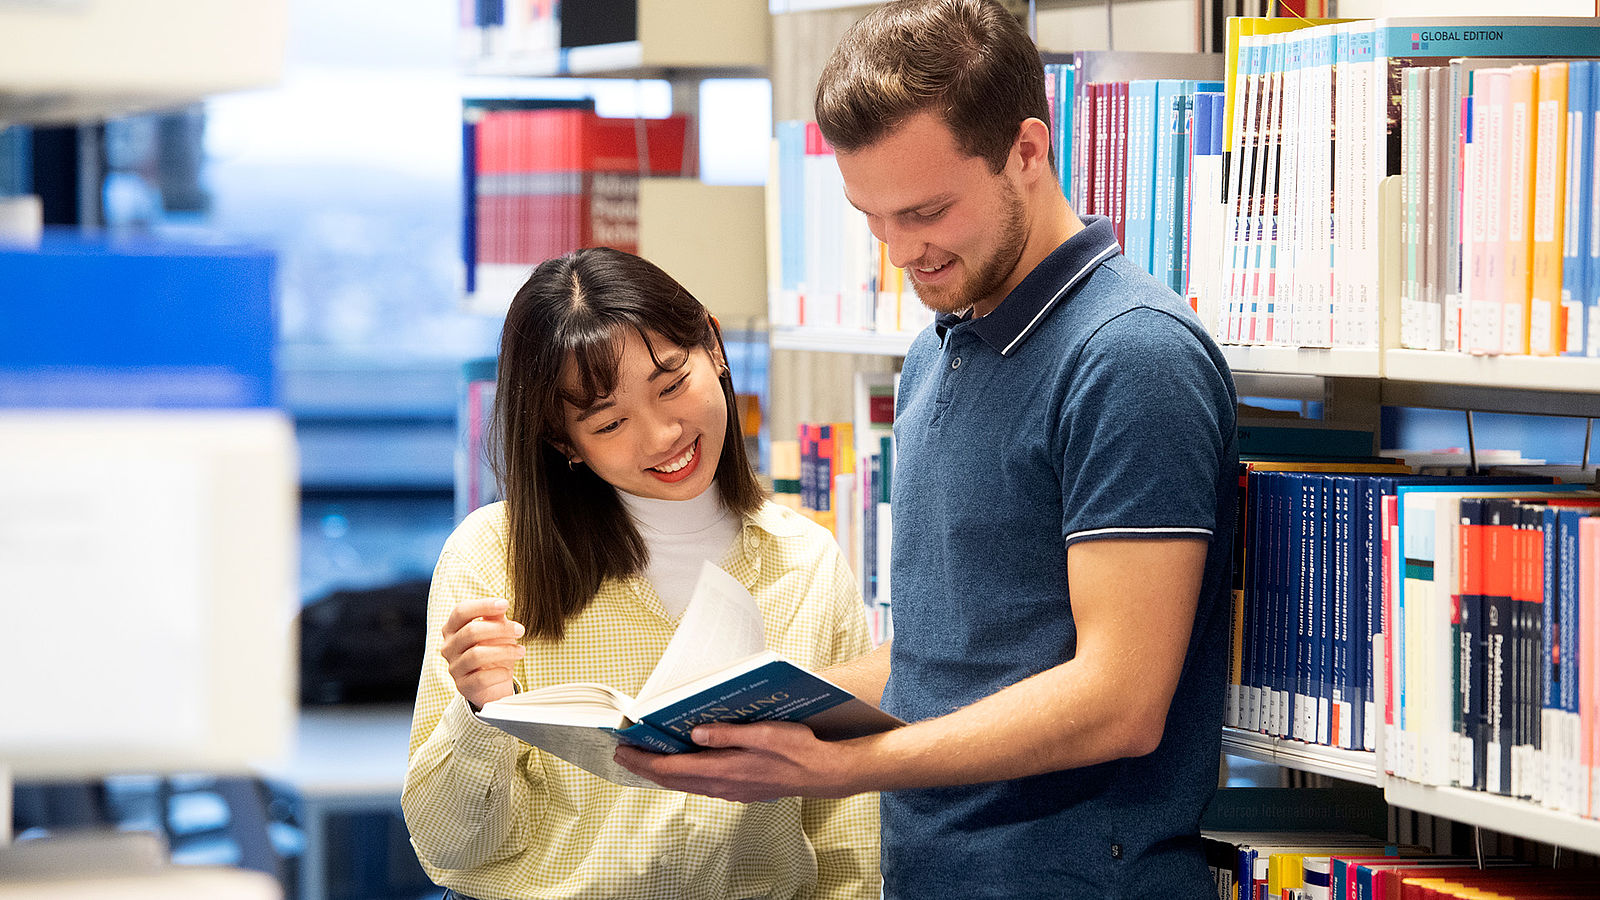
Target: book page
721, 625
571, 703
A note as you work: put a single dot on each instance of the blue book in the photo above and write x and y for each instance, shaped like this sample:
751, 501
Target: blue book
1171, 106
469, 204
1549, 673
1345, 615
583, 723
791, 203
1064, 89
1305, 571
1143, 95
1575, 251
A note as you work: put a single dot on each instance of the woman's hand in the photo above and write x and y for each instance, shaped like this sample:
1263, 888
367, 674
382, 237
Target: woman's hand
482, 650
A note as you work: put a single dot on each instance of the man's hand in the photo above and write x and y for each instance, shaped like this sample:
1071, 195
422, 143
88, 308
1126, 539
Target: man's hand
747, 763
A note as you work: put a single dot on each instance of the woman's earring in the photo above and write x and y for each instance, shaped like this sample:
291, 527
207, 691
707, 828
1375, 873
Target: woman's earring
723, 372
572, 464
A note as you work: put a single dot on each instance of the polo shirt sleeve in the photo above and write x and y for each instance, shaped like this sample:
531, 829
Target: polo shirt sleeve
1142, 436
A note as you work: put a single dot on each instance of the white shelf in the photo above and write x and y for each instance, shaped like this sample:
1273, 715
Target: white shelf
1501, 814
1350, 765
76, 61
1336, 363
1539, 373
842, 340
721, 37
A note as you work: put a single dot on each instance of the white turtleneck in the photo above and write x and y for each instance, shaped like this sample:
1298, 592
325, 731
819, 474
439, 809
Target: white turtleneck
681, 534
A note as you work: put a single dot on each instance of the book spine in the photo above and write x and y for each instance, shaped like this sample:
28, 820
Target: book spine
648, 737
1546, 324
1579, 188
1497, 612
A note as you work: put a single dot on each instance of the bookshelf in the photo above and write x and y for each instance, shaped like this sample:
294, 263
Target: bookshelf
69, 61
724, 37
1353, 383
1348, 765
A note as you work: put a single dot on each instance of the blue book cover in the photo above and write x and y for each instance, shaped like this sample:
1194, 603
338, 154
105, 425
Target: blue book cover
1575, 252
766, 688
1143, 95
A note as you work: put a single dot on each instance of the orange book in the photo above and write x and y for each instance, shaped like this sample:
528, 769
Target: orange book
1547, 327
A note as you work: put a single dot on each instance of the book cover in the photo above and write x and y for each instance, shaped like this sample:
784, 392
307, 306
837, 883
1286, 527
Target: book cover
713, 670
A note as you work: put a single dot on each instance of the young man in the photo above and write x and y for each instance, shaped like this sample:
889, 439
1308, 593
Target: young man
1063, 506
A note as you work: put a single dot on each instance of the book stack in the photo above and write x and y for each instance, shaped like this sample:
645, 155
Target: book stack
542, 182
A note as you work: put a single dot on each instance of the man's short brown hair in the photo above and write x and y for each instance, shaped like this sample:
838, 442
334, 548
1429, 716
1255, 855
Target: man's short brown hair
970, 62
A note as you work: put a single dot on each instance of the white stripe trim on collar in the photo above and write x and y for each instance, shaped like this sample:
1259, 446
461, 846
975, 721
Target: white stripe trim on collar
1054, 300
1097, 532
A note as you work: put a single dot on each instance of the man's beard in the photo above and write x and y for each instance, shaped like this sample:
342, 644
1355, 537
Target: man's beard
990, 274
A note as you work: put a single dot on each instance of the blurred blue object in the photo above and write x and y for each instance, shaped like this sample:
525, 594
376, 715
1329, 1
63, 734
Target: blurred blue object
89, 322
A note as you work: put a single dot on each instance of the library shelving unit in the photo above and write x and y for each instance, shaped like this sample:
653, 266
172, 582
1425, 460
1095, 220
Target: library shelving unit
1354, 385
70, 61
710, 236
666, 39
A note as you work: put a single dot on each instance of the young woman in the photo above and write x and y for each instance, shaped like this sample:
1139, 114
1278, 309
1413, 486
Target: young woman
623, 470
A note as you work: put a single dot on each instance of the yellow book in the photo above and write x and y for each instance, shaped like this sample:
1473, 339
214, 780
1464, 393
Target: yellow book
1546, 325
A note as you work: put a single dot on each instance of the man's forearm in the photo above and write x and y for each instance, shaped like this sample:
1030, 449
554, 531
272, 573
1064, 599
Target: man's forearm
865, 676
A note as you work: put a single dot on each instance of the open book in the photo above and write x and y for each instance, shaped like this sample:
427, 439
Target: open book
713, 670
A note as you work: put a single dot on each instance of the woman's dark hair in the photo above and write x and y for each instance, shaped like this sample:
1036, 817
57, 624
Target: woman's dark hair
970, 62
567, 530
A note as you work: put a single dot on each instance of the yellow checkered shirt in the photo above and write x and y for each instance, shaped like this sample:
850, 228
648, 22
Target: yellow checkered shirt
494, 818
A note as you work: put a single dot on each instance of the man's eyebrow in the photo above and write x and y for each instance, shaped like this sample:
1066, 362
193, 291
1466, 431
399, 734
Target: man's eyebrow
938, 200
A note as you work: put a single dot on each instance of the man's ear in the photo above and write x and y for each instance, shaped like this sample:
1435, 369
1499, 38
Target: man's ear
1033, 145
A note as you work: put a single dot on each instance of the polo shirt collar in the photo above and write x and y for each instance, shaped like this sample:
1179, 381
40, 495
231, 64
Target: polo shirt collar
1020, 313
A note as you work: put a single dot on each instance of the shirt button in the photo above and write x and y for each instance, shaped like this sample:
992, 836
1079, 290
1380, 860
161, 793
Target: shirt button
955, 363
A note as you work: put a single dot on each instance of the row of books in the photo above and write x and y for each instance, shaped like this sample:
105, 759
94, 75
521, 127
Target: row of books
1493, 676
1132, 149
838, 474
1258, 865
1498, 190
1316, 123
832, 272
539, 182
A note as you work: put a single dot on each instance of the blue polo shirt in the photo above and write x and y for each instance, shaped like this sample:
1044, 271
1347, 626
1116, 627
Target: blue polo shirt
1090, 404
